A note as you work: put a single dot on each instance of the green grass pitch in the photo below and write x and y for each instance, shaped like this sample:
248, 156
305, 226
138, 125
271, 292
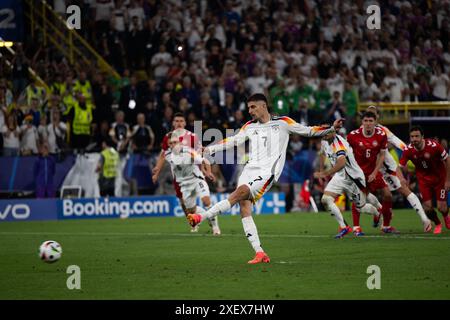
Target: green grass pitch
158, 258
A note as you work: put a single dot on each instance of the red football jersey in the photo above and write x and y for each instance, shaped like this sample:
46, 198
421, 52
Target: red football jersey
429, 161
188, 139
366, 149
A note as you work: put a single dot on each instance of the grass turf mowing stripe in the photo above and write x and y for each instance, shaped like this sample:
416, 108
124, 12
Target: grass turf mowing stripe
100, 234
158, 258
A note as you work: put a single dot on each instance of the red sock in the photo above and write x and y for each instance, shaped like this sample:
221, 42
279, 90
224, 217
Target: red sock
444, 214
386, 211
355, 215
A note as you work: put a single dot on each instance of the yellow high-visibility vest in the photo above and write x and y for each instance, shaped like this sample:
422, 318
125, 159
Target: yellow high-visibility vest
82, 119
111, 160
69, 101
37, 92
85, 89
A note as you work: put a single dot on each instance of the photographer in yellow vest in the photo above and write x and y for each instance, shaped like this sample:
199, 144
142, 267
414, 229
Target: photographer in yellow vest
107, 169
81, 115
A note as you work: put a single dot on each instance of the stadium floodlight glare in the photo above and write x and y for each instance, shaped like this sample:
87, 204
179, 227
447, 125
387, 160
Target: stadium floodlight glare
280, 104
132, 104
7, 44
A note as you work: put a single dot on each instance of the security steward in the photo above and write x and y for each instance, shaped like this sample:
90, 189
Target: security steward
107, 169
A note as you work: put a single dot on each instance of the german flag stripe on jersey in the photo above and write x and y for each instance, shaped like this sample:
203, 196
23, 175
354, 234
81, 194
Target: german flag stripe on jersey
319, 129
243, 128
338, 146
222, 141
263, 189
246, 125
193, 153
288, 120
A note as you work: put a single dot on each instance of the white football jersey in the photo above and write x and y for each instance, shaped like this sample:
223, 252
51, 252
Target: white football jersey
340, 147
185, 165
268, 142
389, 163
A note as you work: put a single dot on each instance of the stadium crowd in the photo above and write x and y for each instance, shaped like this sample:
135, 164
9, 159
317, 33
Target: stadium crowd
314, 59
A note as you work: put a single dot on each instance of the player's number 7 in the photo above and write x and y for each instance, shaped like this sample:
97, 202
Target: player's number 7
265, 141
257, 179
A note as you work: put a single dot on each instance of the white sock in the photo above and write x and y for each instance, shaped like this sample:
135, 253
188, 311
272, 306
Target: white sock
369, 209
415, 203
200, 210
251, 233
373, 201
216, 209
331, 207
213, 222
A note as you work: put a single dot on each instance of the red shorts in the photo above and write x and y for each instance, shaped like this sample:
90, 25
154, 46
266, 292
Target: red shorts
376, 184
428, 189
177, 189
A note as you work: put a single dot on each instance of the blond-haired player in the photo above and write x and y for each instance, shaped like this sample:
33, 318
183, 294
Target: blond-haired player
185, 164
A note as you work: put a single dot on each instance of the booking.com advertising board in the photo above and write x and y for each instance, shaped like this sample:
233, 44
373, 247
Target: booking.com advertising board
150, 206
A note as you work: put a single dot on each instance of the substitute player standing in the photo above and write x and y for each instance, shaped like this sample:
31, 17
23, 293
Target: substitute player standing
433, 174
347, 177
184, 162
268, 138
393, 176
369, 144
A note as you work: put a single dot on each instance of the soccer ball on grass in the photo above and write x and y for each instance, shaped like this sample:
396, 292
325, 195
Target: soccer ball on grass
50, 251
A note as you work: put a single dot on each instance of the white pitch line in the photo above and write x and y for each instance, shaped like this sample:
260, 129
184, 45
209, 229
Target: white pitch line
286, 262
405, 236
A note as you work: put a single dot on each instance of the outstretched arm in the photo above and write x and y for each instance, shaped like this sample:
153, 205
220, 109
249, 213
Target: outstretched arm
204, 164
394, 140
159, 164
322, 158
228, 142
207, 170
340, 163
315, 131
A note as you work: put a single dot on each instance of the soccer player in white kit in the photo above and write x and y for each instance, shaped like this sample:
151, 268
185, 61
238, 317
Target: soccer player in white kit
268, 138
391, 173
348, 177
185, 164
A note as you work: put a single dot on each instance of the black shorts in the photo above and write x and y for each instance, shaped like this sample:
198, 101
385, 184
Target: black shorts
107, 186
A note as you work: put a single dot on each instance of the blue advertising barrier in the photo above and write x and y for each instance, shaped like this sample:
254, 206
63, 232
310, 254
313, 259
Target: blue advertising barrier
18, 172
20, 209
148, 206
158, 206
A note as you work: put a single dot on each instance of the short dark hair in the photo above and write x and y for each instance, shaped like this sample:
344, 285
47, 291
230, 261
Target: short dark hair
179, 114
417, 128
109, 143
369, 114
258, 97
